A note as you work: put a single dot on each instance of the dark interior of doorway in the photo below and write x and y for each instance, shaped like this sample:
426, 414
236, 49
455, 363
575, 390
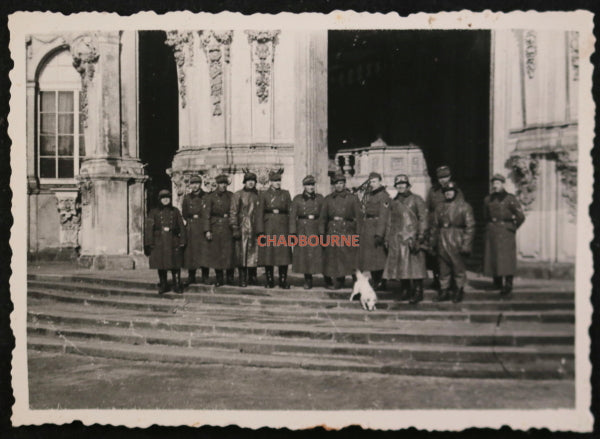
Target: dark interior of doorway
429, 88
158, 110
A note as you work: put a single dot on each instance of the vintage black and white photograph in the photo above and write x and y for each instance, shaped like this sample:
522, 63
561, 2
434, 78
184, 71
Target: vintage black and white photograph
334, 218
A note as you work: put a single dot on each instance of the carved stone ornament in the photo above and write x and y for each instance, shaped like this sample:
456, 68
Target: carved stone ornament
573, 39
69, 212
530, 52
263, 56
262, 175
182, 44
216, 46
524, 172
86, 187
84, 51
566, 165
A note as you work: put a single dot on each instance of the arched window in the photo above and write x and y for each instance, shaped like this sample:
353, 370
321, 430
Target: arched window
60, 142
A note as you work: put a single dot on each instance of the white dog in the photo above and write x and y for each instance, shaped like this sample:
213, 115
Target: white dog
368, 298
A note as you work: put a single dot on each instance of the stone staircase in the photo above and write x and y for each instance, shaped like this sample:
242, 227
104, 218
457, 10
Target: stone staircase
529, 336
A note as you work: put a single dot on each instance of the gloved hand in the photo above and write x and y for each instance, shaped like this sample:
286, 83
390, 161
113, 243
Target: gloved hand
148, 249
379, 241
237, 234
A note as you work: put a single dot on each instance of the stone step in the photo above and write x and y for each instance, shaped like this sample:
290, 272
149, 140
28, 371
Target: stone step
548, 369
436, 332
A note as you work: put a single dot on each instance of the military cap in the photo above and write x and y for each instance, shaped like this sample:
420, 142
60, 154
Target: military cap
499, 177
338, 177
443, 171
249, 176
309, 179
274, 176
401, 179
223, 178
374, 175
164, 193
195, 179
450, 186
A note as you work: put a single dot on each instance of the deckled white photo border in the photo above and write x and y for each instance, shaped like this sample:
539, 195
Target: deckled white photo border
577, 419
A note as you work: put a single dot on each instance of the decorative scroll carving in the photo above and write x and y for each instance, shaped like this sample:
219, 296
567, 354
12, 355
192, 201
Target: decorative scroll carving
574, 53
524, 174
566, 165
216, 46
84, 51
181, 43
69, 211
86, 187
530, 49
263, 54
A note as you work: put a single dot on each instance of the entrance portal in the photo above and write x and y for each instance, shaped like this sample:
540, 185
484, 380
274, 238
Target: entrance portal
428, 88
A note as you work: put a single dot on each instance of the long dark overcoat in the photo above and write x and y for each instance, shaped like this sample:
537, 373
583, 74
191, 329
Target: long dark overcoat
341, 215
242, 218
196, 251
272, 218
403, 223
372, 258
503, 216
216, 221
305, 220
165, 232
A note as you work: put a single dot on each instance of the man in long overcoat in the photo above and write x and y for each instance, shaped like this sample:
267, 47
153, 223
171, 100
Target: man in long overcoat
403, 226
452, 231
218, 231
305, 221
341, 215
435, 197
164, 240
372, 257
242, 218
195, 254
272, 219
503, 216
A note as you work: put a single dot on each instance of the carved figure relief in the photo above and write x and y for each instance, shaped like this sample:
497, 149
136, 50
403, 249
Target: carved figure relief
182, 45
216, 46
84, 51
263, 56
530, 49
69, 212
85, 189
524, 172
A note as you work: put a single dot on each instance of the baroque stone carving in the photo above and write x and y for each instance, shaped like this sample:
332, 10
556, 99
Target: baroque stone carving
216, 46
530, 48
69, 211
573, 41
263, 55
85, 189
182, 45
566, 165
524, 172
84, 51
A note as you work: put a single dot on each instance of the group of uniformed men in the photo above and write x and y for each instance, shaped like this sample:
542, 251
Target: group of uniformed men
221, 231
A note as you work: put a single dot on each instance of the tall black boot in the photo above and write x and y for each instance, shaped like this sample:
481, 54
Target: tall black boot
308, 281
508, 286
243, 274
177, 286
283, 283
339, 282
269, 275
205, 276
418, 292
436, 280
219, 275
191, 278
497, 282
458, 294
230, 276
252, 276
328, 283
163, 286
404, 290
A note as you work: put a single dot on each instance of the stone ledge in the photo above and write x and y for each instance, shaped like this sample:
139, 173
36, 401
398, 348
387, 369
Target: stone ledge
546, 270
108, 262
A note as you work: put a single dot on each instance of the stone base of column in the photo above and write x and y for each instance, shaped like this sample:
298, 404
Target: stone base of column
112, 262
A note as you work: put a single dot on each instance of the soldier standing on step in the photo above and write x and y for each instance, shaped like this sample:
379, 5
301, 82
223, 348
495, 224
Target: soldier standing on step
402, 226
503, 216
242, 218
272, 219
194, 256
372, 257
452, 231
435, 197
218, 231
341, 216
305, 220
164, 240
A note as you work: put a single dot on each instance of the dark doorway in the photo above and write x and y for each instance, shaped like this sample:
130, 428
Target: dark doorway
429, 88
158, 110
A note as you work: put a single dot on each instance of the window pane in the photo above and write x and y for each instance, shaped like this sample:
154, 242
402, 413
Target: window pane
81, 146
48, 102
65, 123
65, 167
47, 168
47, 145
48, 123
65, 145
65, 101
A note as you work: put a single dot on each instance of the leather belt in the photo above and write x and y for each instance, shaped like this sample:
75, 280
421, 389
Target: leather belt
341, 218
166, 229
276, 211
496, 220
311, 217
219, 215
195, 216
368, 215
